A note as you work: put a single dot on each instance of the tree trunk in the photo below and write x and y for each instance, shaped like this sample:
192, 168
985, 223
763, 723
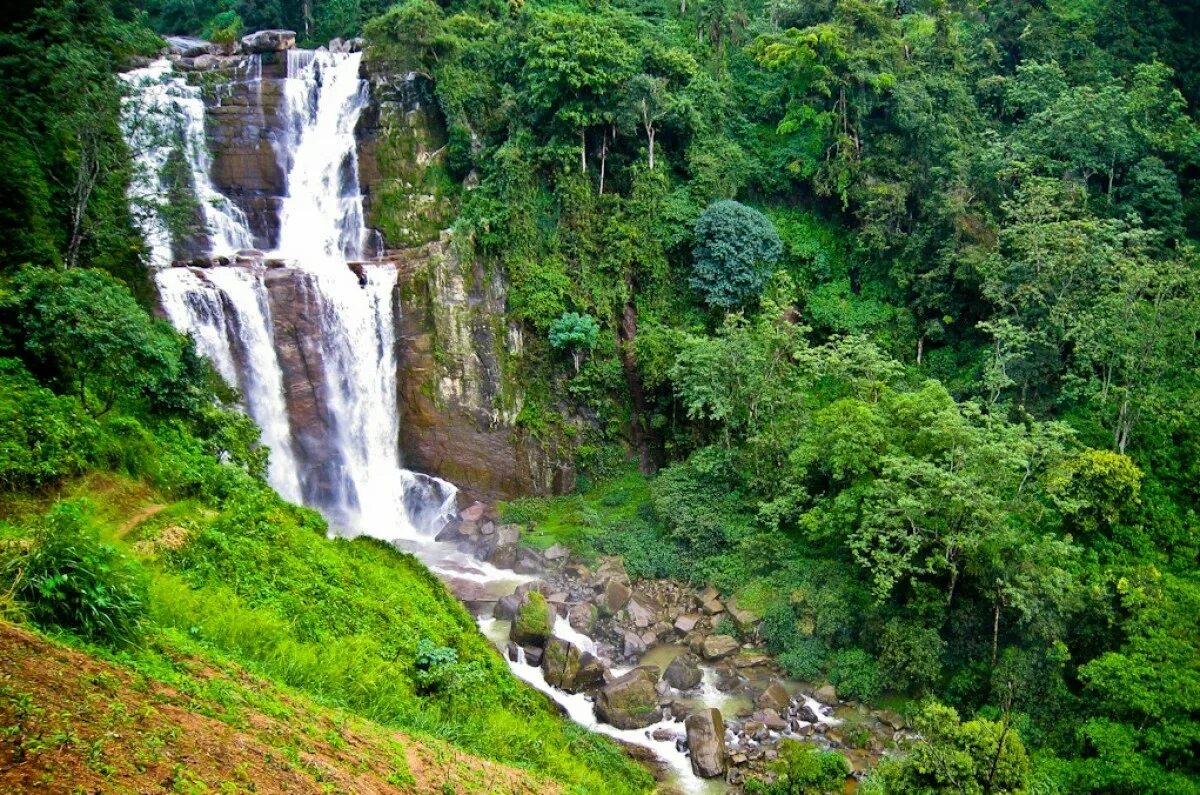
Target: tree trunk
603, 158
582, 151
650, 137
995, 630
626, 337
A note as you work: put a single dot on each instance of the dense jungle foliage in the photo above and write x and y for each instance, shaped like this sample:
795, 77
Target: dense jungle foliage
897, 299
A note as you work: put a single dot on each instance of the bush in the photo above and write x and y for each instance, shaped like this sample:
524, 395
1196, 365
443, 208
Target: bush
72, 580
647, 552
805, 659
574, 333
855, 674
43, 437
803, 769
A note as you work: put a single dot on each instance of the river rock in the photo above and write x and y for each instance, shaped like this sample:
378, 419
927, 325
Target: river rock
683, 673
533, 623
773, 697
771, 719
706, 743
533, 655
528, 562
269, 41
568, 668
746, 621
642, 610
506, 608
556, 552
687, 622
716, 647
582, 617
629, 702
633, 646
500, 548
826, 694
808, 713
713, 606
616, 595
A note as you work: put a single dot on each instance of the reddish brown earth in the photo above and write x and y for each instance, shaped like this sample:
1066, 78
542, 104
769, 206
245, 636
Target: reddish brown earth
71, 723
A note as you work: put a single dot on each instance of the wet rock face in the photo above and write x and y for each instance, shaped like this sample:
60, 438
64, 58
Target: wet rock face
269, 41
457, 413
295, 315
571, 670
247, 117
706, 743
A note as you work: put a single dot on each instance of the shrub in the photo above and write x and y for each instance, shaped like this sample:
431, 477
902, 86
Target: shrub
647, 552
735, 244
72, 580
855, 674
434, 665
805, 659
43, 437
803, 769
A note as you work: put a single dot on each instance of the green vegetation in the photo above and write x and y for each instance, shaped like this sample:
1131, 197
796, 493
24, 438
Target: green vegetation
804, 770
920, 395
898, 298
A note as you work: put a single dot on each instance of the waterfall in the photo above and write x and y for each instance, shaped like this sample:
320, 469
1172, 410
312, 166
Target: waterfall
226, 312
359, 483
163, 115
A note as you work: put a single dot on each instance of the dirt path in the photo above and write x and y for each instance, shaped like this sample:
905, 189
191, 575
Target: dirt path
145, 514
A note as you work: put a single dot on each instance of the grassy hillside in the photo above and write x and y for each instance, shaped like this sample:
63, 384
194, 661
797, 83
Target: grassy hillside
354, 626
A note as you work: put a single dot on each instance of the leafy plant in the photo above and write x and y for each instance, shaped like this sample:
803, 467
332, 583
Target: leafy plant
72, 580
576, 334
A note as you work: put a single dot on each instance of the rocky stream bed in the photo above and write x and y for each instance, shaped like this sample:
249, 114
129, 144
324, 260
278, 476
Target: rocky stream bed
646, 661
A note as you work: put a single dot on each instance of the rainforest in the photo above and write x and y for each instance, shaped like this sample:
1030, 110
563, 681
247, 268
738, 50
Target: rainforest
781, 397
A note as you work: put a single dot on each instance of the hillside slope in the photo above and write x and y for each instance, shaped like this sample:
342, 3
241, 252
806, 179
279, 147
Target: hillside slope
72, 722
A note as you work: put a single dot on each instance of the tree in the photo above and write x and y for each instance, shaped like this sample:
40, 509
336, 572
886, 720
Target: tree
802, 769
576, 334
978, 757
735, 245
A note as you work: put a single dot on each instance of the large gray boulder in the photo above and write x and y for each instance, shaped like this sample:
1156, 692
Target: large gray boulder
264, 41
706, 743
629, 702
773, 697
683, 673
190, 46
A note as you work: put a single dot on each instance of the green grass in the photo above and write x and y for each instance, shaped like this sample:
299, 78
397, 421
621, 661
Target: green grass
580, 520
259, 585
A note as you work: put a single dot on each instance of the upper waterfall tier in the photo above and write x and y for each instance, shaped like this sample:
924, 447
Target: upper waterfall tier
312, 346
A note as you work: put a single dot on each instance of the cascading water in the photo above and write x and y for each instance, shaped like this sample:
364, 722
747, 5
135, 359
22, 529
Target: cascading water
164, 115
360, 485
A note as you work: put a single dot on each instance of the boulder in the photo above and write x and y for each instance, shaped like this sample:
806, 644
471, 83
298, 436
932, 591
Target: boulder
500, 549
533, 623
451, 532
533, 655
746, 621
808, 713
773, 697
687, 622
826, 694
506, 608
569, 669
473, 513
683, 673
706, 743
556, 552
190, 46
616, 595
582, 617
771, 719
528, 562
513, 651
633, 646
642, 610
716, 647
264, 41
713, 606
629, 702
